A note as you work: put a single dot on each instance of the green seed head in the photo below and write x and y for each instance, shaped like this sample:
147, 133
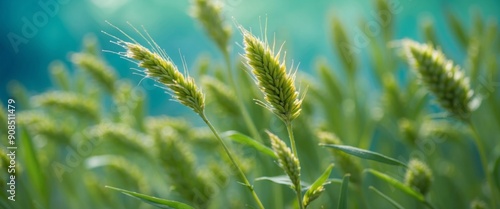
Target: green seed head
441, 77
313, 196
163, 70
478, 204
408, 130
209, 15
418, 176
96, 67
222, 95
41, 124
70, 102
342, 45
286, 159
271, 77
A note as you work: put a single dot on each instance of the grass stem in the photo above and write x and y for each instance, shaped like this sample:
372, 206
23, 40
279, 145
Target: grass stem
244, 112
235, 164
298, 187
484, 162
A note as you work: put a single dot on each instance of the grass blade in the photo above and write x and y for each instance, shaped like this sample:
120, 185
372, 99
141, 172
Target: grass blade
283, 180
246, 140
394, 203
343, 192
160, 203
32, 165
365, 154
317, 188
397, 184
496, 172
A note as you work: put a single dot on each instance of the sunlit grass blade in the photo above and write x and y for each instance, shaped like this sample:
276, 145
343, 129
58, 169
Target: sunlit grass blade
317, 188
397, 184
393, 202
343, 192
160, 203
246, 140
365, 154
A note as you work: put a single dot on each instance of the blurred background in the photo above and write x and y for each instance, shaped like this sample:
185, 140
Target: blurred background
304, 25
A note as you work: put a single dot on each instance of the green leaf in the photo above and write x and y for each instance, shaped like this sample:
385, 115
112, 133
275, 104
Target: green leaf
317, 187
343, 192
365, 154
496, 172
283, 180
394, 203
322, 180
397, 184
160, 203
32, 165
246, 140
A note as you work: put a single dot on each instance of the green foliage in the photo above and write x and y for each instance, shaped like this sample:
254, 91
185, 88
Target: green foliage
160, 203
77, 137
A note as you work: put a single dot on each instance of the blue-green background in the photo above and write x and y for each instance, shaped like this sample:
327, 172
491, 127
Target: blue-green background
305, 25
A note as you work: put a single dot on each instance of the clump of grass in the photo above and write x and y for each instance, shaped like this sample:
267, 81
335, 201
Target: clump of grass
159, 67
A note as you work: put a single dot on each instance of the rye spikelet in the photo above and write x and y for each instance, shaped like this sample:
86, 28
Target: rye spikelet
478, 204
121, 135
60, 76
179, 162
286, 159
44, 125
418, 176
342, 45
222, 95
442, 78
70, 102
209, 15
272, 78
99, 71
159, 67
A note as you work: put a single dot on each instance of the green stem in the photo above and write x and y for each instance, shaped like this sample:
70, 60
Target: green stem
298, 187
246, 116
230, 155
484, 162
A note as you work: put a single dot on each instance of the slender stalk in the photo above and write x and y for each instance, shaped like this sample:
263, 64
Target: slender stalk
298, 188
235, 164
484, 162
244, 112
